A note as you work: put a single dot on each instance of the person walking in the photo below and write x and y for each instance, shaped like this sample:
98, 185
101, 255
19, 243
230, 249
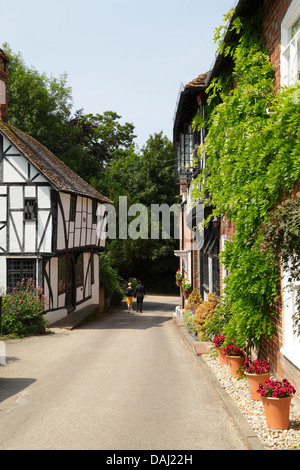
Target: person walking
139, 293
129, 295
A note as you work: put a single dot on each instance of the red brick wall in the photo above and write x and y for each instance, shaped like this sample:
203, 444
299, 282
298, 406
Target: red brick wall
274, 12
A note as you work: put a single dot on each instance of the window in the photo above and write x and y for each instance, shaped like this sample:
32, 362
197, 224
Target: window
30, 209
290, 45
61, 274
72, 208
291, 342
18, 269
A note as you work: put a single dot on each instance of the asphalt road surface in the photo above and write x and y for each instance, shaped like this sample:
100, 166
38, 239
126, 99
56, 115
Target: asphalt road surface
124, 382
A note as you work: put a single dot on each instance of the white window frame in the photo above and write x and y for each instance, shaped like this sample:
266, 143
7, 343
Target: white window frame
224, 270
290, 47
291, 342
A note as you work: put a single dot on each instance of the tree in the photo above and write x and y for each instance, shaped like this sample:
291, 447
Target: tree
146, 178
100, 149
102, 138
39, 105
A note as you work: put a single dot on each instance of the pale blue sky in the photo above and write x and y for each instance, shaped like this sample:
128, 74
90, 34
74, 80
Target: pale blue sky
127, 56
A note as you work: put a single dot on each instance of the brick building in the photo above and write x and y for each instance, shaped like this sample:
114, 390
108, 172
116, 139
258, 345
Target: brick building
281, 35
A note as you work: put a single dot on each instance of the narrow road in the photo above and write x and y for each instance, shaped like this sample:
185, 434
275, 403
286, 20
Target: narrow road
124, 382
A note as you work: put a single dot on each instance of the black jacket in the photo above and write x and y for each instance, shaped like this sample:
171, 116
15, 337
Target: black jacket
139, 291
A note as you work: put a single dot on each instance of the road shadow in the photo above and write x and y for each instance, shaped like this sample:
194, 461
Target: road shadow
134, 321
156, 311
12, 386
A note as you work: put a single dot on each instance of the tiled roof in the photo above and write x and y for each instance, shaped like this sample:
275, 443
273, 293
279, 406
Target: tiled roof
199, 82
57, 172
187, 103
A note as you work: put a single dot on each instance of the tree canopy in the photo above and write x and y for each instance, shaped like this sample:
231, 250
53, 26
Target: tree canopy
100, 149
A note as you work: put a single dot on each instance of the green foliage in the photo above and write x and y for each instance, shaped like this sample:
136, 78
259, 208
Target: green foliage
39, 105
204, 311
23, 308
145, 178
109, 277
253, 158
280, 234
194, 300
214, 325
188, 320
100, 149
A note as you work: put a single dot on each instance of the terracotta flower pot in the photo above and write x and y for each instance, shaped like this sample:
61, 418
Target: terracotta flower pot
178, 282
235, 362
254, 380
223, 359
186, 293
277, 412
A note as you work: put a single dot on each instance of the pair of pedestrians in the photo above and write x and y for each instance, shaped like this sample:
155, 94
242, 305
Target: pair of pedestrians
139, 293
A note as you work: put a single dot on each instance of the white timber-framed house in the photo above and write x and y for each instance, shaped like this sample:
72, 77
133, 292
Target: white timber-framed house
50, 220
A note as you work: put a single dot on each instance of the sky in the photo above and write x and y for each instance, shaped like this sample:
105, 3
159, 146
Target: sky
126, 56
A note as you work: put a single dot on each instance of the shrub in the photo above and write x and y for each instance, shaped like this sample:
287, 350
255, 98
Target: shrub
188, 320
204, 311
215, 324
22, 313
194, 300
109, 278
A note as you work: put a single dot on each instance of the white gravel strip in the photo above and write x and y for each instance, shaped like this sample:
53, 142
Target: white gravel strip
253, 410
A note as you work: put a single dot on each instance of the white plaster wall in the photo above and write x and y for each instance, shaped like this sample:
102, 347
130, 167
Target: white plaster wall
43, 196
52, 317
30, 236
3, 211
3, 240
45, 246
2, 274
16, 232
17, 172
16, 197
30, 191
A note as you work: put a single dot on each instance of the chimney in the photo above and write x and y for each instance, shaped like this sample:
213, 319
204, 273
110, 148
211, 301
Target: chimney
4, 60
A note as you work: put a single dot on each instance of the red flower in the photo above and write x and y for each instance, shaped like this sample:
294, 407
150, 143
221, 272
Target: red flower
233, 350
219, 340
276, 389
256, 367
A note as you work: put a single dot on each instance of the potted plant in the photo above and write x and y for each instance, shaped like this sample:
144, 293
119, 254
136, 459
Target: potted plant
219, 341
257, 372
187, 287
276, 396
178, 277
236, 358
